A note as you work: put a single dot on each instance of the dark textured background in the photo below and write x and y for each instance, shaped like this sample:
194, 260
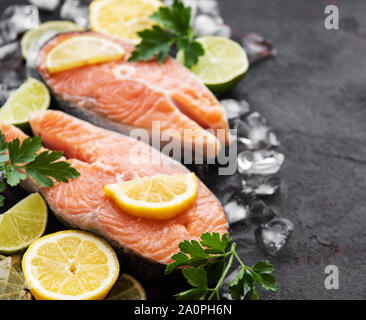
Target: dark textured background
314, 94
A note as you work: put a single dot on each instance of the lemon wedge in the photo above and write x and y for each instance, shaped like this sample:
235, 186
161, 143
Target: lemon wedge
158, 197
122, 18
70, 265
79, 51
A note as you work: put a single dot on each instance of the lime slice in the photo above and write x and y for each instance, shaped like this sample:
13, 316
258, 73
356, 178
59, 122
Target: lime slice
222, 66
31, 96
52, 27
22, 224
127, 288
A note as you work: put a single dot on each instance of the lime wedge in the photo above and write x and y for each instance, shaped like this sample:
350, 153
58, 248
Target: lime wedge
31, 96
127, 288
222, 66
22, 224
51, 27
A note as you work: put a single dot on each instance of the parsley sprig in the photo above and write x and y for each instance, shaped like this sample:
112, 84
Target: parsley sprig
207, 264
16, 157
173, 28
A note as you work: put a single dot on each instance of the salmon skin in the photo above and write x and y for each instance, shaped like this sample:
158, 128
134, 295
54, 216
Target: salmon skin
104, 157
122, 96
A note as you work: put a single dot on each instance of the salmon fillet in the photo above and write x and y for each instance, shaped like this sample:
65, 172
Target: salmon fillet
122, 96
104, 157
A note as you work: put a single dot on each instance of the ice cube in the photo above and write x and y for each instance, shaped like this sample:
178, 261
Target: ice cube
10, 56
209, 7
76, 11
11, 75
261, 185
223, 31
235, 108
254, 133
48, 5
17, 19
237, 207
11, 79
273, 235
261, 212
205, 25
256, 47
262, 162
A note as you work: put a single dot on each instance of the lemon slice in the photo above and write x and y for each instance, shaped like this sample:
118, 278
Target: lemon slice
52, 27
158, 197
127, 288
79, 51
31, 96
222, 66
22, 224
70, 265
122, 18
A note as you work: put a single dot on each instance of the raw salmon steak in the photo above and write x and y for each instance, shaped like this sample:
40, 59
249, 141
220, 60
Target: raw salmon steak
121, 96
104, 157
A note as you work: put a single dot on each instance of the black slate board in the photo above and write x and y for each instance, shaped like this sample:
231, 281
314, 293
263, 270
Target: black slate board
313, 94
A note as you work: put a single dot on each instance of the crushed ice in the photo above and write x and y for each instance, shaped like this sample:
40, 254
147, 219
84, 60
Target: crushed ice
17, 19
235, 108
257, 48
254, 133
48, 5
206, 18
262, 162
273, 235
11, 77
76, 11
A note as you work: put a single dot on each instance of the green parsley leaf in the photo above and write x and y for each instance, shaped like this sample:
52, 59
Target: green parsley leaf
207, 264
196, 277
192, 51
17, 157
214, 271
213, 242
192, 294
13, 176
175, 19
254, 294
44, 166
155, 42
173, 28
180, 259
269, 282
25, 152
194, 249
263, 267
257, 277
236, 286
